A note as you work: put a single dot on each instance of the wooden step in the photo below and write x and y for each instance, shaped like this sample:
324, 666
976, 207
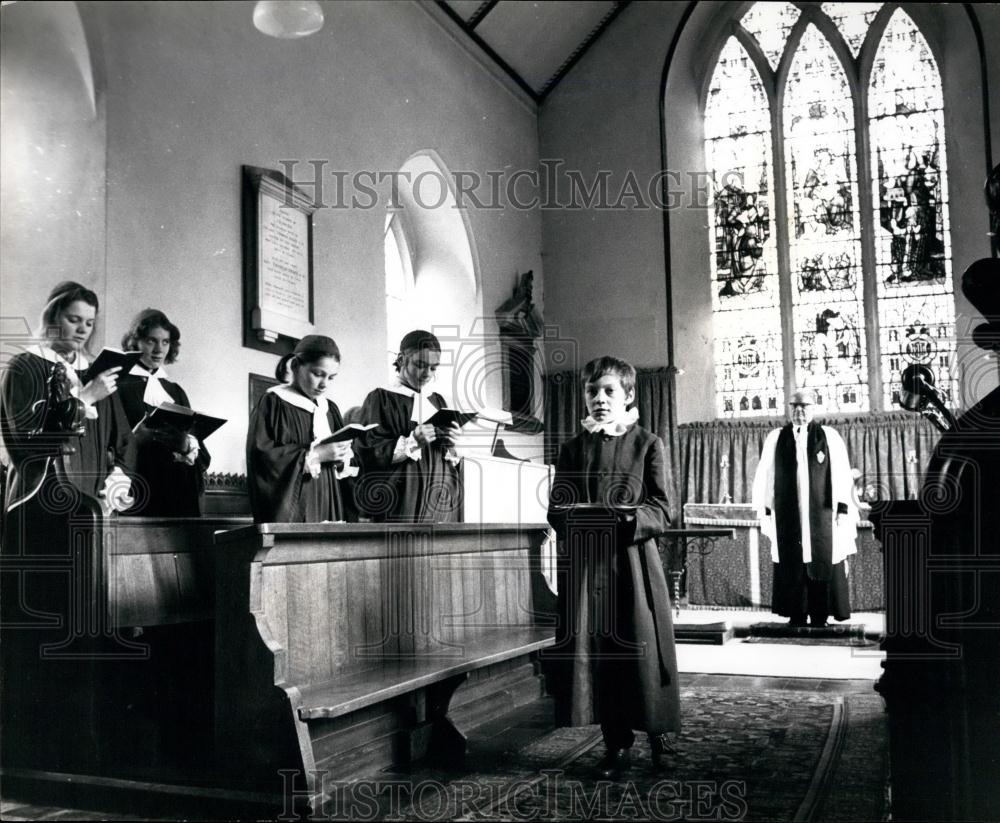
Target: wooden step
712, 634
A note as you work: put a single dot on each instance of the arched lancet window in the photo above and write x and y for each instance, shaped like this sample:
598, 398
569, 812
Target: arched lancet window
830, 256
398, 280
431, 269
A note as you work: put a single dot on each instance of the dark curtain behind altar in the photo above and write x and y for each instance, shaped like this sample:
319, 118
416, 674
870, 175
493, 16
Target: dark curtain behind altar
890, 450
564, 409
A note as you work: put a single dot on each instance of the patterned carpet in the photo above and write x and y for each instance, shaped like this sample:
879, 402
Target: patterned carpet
763, 755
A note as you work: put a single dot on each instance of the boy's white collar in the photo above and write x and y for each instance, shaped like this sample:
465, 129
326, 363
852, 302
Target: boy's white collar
614, 428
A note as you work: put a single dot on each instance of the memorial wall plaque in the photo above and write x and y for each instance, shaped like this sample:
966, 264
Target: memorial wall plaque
277, 261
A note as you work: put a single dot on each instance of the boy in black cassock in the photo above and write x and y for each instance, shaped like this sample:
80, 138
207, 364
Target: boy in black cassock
290, 478
409, 469
615, 638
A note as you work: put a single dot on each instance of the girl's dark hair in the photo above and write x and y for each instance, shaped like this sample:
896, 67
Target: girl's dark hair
415, 341
313, 348
144, 323
62, 296
601, 366
309, 356
281, 370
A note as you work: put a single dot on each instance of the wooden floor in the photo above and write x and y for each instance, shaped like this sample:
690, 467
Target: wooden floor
522, 726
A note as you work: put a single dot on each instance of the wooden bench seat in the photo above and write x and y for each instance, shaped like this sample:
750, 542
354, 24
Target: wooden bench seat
344, 649
393, 678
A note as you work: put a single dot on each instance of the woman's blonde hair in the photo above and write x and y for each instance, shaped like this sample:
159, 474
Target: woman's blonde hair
62, 296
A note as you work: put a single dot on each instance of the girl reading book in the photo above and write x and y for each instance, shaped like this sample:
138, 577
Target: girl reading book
409, 469
86, 410
292, 475
170, 464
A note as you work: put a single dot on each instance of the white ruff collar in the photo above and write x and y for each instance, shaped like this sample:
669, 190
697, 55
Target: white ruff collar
614, 428
299, 400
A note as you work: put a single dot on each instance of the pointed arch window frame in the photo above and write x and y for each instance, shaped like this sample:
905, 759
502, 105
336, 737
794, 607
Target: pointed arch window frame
858, 71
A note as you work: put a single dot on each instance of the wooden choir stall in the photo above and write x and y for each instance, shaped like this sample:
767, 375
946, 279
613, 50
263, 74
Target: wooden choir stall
942, 573
345, 648
209, 665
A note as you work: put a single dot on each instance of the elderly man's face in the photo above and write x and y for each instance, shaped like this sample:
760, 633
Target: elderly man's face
801, 413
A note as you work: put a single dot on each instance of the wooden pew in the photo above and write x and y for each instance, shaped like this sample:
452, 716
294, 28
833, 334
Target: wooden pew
107, 644
341, 648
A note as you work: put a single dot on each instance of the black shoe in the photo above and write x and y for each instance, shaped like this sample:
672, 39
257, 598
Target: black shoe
614, 764
797, 623
819, 624
658, 747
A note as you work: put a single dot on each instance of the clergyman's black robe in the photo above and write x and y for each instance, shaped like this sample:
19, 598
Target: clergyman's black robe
817, 588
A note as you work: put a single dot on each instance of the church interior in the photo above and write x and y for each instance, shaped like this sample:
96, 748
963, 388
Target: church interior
763, 207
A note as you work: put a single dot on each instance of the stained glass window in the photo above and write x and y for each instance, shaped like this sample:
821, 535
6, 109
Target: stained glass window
821, 173
825, 323
912, 246
770, 24
743, 259
853, 20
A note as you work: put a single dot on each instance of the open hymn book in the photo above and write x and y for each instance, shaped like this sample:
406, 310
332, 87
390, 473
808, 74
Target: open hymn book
443, 418
348, 432
181, 418
108, 358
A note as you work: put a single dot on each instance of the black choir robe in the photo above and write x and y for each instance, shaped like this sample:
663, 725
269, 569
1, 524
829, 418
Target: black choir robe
42, 523
278, 441
615, 638
105, 443
427, 490
168, 487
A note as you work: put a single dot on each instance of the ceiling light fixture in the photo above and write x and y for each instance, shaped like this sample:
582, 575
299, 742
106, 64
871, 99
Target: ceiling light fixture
288, 19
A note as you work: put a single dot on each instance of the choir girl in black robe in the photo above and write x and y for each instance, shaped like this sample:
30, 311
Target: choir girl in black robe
52, 416
170, 464
290, 478
99, 460
409, 469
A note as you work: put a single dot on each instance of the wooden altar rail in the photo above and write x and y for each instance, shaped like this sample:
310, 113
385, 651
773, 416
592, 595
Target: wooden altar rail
340, 647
